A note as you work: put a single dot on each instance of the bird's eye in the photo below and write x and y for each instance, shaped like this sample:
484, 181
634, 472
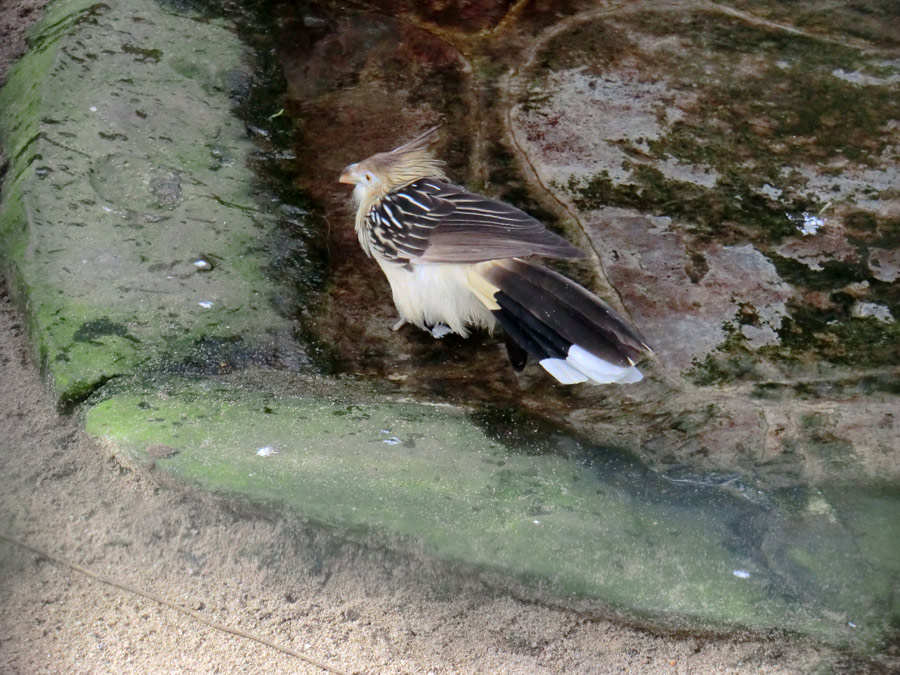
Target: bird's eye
368, 177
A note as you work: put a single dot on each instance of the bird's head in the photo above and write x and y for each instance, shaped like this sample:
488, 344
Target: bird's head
387, 171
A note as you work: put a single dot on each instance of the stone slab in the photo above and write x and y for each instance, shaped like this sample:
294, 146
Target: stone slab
585, 526
128, 224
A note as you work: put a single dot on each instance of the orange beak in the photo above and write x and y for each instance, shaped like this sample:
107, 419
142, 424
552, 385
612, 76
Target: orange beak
347, 175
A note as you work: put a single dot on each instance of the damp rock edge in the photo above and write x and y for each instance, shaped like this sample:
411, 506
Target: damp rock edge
539, 526
129, 231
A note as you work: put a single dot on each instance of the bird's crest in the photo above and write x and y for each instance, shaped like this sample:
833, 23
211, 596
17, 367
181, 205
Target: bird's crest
407, 163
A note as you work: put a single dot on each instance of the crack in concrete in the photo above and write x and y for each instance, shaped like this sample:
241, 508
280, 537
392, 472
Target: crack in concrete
775, 25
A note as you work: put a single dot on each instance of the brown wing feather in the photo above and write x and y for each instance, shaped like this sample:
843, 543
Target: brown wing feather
430, 221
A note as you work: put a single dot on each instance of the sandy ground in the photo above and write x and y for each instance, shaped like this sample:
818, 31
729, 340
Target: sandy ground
104, 571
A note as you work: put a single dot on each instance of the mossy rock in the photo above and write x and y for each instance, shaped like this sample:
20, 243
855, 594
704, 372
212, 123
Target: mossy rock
129, 229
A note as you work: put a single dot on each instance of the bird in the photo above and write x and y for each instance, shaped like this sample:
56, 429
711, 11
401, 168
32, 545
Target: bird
457, 261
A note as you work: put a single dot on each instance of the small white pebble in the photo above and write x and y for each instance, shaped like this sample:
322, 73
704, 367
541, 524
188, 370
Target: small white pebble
806, 223
266, 451
202, 264
741, 574
851, 624
861, 310
393, 440
205, 304
536, 522
93, 108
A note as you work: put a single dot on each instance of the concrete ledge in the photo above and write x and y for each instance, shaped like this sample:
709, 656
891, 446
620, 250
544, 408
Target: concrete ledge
128, 225
594, 531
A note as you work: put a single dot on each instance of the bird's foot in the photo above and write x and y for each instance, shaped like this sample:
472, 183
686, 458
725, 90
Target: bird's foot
400, 323
439, 330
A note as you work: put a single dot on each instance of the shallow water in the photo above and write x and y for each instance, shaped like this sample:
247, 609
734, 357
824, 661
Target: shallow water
695, 462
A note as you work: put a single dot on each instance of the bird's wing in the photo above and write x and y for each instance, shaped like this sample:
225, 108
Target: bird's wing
430, 221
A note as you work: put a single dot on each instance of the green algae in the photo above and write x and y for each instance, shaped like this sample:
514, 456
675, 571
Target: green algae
731, 212
585, 525
798, 114
863, 342
788, 108
593, 46
731, 361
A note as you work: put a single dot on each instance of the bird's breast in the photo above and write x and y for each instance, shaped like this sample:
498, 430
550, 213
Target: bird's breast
426, 295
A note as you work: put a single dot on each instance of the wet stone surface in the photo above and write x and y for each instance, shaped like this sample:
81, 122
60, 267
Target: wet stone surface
703, 156
738, 136
733, 176
118, 187
542, 518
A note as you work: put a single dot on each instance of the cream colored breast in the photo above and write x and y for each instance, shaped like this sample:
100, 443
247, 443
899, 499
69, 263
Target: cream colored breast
437, 294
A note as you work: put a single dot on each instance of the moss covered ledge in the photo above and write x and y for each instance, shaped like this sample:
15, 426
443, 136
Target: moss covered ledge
589, 528
128, 228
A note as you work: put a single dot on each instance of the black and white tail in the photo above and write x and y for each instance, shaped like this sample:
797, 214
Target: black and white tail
573, 334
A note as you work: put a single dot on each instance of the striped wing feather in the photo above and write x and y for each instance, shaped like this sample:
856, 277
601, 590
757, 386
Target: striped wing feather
430, 221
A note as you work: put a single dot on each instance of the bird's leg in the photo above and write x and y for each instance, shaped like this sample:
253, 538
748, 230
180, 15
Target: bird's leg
400, 323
